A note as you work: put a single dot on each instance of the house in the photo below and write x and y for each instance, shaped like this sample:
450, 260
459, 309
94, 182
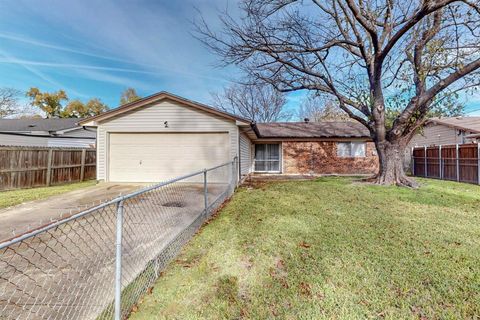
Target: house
53, 132
453, 130
163, 136
445, 131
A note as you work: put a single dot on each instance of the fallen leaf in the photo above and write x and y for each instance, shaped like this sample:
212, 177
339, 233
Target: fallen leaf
306, 289
304, 244
280, 264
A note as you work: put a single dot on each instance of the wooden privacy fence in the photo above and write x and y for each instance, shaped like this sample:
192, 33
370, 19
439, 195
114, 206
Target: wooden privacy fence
459, 162
27, 167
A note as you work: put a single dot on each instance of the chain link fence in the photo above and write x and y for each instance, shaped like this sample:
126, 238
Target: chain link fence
97, 263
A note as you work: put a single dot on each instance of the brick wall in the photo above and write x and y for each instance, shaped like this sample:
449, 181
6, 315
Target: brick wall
321, 158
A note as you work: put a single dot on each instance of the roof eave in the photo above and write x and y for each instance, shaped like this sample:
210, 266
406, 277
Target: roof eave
317, 137
93, 121
440, 122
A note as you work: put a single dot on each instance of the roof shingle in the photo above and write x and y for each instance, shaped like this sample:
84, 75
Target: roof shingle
334, 129
22, 125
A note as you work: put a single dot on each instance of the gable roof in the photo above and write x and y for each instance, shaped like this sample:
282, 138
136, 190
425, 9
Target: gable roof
163, 95
333, 129
52, 124
462, 123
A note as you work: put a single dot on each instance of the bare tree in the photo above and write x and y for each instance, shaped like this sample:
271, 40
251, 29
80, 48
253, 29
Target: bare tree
366, 54
9, 104
257, 102
318, 109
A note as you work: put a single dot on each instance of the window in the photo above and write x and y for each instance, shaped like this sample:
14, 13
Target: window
267, 157
351, 149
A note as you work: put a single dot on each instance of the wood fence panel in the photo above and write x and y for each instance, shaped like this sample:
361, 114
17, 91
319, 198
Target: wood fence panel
419, 162
90, 164
433, 163
448, 162
468, 163
27, 167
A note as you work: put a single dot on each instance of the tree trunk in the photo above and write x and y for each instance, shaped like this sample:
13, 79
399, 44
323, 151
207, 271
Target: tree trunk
391, 172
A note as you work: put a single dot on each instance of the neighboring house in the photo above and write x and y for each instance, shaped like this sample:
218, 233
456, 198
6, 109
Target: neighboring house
52, 132
163, 136
445, 131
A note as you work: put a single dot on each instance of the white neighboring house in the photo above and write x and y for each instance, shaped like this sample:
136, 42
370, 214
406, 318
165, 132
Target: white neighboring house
445, 131
53, 132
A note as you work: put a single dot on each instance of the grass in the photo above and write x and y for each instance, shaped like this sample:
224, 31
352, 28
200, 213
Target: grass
330, 249
14, 197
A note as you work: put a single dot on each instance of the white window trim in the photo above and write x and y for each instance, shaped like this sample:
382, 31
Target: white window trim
350, 143
280, 159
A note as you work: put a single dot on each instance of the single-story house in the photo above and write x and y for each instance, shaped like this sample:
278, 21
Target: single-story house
445, 131
163, 136
53, 132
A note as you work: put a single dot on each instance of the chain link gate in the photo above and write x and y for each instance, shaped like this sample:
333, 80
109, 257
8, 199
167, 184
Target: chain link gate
96, 264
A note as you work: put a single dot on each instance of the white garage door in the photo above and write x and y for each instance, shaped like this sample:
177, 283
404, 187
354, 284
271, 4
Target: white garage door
154, 157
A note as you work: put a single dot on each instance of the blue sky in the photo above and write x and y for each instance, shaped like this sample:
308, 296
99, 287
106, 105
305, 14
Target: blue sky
99, 48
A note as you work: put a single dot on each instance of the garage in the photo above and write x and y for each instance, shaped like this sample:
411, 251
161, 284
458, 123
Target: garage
164, 136
153, 157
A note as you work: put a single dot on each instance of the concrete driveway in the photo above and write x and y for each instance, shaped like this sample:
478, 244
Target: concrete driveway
31, 215
68, 272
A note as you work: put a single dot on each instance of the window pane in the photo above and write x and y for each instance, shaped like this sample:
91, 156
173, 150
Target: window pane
260, 151
260, 165
358, 149
267, 157
273, 151
275, 166
343, 149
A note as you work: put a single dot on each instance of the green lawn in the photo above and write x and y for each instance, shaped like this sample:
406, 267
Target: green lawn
14, 197
330, 249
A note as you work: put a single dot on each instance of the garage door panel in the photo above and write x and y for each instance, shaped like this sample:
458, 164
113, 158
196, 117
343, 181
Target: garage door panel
153, 157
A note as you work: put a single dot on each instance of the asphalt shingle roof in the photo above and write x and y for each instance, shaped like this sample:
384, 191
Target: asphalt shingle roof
333, 129
22, 125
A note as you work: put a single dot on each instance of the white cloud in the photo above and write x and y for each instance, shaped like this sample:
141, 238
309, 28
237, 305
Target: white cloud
41, 75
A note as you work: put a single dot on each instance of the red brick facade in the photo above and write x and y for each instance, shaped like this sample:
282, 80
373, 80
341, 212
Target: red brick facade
320, 157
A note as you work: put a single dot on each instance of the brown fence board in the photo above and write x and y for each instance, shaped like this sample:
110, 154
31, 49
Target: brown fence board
447, 162
27, 167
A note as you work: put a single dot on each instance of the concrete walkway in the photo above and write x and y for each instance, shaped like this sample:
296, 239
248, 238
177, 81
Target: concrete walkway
33, 214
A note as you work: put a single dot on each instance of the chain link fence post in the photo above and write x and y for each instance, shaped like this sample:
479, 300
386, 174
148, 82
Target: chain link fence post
235, 173
205, 191
118, 261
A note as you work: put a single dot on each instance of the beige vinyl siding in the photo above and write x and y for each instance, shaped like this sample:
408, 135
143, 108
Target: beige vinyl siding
246, 159
81, 133
436, 135
19, 140
180, 118
71, 142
